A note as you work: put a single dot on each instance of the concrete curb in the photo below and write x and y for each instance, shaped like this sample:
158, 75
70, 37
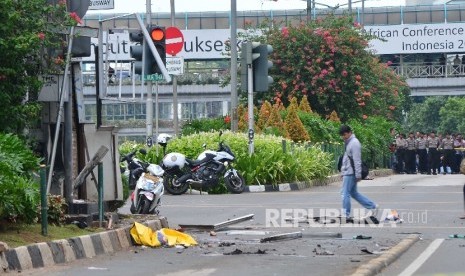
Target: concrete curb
68, 250
375, 266
295, 186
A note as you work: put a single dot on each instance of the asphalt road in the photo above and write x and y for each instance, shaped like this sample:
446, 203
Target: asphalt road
429, 205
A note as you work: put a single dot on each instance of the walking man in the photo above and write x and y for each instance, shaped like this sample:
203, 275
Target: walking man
351, 171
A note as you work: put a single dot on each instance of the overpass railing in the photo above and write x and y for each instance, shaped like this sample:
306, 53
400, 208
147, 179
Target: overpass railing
430, 71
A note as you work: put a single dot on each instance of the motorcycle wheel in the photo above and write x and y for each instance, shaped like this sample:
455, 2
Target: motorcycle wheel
133, 208
144, 206
235, 184
169, 181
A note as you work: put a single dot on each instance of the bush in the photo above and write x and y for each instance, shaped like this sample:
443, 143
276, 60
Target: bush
205, 125
268, 165
19, 194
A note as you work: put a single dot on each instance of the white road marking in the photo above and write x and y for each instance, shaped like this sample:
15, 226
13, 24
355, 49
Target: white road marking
422, 258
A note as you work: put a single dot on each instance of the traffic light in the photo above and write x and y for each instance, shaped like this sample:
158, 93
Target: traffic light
256, 54
261, 65
158, 36
136, 51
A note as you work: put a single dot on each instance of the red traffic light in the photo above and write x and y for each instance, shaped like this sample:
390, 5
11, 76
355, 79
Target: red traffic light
157, 34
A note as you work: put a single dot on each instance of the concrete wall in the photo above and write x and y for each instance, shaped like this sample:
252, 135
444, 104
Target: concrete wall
108, 137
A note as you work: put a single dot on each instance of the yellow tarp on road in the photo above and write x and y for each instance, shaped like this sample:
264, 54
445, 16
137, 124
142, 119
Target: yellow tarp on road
143, 235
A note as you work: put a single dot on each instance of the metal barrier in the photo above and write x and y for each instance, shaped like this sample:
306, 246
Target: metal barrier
430, 71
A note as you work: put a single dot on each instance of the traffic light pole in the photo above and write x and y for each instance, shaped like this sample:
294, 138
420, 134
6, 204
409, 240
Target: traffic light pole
175, 81
233, 70
149, 102
250, 107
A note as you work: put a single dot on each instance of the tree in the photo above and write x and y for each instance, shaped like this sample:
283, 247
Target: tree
28, 31
294, 127
264, 114
425, 116
327, 61
304, 106
452, 114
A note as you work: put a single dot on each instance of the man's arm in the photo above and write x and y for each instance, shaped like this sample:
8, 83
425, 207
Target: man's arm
357, 157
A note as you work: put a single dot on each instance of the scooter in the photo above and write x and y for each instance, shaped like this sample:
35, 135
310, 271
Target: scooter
202, 173
147, 181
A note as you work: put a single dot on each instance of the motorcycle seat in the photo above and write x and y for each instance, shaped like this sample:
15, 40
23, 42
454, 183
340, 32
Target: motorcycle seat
194, 163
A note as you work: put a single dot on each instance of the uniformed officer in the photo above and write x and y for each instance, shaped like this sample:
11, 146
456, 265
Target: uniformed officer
410, 155
458, 143
433, 153
401, 146
447, 145
422, 153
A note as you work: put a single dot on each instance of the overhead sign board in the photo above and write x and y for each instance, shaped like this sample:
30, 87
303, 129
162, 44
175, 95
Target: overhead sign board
418, 38
206, 44
101, 4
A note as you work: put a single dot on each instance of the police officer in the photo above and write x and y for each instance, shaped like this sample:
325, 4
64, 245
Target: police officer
422, 153
458, 143
401, 146
433, 153
410, 155
447, 145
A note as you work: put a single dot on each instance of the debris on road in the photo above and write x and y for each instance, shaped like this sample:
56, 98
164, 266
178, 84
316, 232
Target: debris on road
213, 233
321, 251
362, 237
457, 236
238, 252
218, 226
285, 236
322, 235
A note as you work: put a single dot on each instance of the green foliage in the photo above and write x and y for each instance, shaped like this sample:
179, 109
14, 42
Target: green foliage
425, 116
28, 34
18, 192
57, 208
452, 115
203, 125
268, 165
319, 129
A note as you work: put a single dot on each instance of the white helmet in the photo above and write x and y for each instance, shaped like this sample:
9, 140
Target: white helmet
163, 138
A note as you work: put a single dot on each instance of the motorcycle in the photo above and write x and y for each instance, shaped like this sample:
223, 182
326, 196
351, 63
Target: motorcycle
202, 173
147, 182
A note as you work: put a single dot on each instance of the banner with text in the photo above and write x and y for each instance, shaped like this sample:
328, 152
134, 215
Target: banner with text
424, 38
101, 4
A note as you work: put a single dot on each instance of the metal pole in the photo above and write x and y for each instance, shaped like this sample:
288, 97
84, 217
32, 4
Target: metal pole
250, 108
156, 113
350, 6
149, 101
233, 70
60, 109
68, 144
362, 21
309, 11
175, 81
43, 200
100, 193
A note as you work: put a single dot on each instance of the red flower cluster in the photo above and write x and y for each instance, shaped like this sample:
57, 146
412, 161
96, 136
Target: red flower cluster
75, 17
227, 119
41, 36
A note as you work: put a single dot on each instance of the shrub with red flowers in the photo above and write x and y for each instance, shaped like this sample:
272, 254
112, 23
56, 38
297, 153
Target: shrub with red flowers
327, 61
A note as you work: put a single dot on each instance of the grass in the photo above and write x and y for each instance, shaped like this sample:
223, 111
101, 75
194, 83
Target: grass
23, 234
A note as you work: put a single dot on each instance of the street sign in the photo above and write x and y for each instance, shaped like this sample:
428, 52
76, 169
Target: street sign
154, 77
101, 4
175, 65
174, 41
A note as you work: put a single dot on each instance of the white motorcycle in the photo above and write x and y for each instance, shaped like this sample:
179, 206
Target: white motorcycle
148, 186
202, 173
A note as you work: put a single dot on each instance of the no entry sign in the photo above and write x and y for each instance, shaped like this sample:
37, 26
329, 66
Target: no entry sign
174, 41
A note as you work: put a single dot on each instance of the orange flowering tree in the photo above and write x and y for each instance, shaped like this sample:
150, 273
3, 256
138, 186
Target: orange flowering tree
327, 61
29, 31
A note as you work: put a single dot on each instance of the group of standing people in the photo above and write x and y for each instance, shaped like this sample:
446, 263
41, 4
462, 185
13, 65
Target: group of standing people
427, 153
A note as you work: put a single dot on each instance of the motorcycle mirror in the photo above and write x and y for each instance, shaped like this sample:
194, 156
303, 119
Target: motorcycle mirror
204, 145
221, 133
143, 151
